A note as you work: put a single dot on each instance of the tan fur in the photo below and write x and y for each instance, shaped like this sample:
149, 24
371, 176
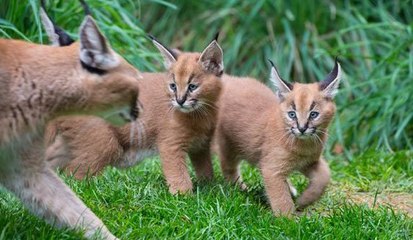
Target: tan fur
161, 127
252, 126
38, 83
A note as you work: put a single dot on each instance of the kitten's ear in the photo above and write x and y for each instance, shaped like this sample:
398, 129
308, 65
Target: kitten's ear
330, 84
57, 36
212, 58
95, 50
282, 87
169, 56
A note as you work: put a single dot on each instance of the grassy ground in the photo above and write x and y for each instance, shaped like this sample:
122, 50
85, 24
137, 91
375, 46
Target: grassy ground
369, 198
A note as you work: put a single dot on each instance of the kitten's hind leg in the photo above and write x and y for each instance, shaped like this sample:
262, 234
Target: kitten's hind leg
45, 194
230, 165
319, 175
202, 162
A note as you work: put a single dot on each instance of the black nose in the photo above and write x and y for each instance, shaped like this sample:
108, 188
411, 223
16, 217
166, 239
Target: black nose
302, 129
180, 101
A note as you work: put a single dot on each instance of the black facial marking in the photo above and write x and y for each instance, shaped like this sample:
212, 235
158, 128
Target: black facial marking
296, 122
92, 69
312, 106
191, 78
293, 106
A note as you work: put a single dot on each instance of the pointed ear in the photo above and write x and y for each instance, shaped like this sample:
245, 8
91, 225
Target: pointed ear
95, 50
169, 56
212, 58
282, 87
49, 27
330, 84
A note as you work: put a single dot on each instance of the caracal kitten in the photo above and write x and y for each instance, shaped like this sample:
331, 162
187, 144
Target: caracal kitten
38, 83
179, 118
279, 133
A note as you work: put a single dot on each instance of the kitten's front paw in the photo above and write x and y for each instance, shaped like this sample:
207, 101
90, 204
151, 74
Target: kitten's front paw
181, 188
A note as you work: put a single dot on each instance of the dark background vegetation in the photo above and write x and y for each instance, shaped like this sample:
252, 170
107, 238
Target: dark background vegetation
373, 39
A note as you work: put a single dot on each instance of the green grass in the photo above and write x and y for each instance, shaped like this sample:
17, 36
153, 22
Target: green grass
135, 204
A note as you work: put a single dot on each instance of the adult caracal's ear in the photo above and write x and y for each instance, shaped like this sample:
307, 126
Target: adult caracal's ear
330, 84
57, 36
95, 51
212, 58
282, 87
169, 56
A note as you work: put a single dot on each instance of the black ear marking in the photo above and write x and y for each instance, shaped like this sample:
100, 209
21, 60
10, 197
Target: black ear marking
216, 36
289, 85
331, 76
152, 38
86, 7
63, 38
92, 69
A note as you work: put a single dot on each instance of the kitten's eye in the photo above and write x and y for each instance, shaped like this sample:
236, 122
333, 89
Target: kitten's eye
192, 87
292, 114
172, 86
313, 115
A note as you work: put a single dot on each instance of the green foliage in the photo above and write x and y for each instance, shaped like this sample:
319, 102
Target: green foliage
372, 39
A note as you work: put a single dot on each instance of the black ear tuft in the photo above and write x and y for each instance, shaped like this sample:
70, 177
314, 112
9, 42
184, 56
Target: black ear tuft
43, 4
276, 76
271, 62
86, 7
331, 76
216, 36
56, 34
153, 39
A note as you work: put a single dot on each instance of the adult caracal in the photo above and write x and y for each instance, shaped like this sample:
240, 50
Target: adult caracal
38, 83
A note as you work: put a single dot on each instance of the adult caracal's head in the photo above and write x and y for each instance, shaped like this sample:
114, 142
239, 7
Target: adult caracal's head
194, 78
112, 79
307, 109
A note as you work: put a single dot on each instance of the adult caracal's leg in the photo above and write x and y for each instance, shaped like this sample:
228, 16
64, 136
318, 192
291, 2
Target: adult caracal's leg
46, 195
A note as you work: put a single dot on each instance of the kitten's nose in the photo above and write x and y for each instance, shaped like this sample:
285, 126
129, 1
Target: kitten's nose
302, 129
180, 101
